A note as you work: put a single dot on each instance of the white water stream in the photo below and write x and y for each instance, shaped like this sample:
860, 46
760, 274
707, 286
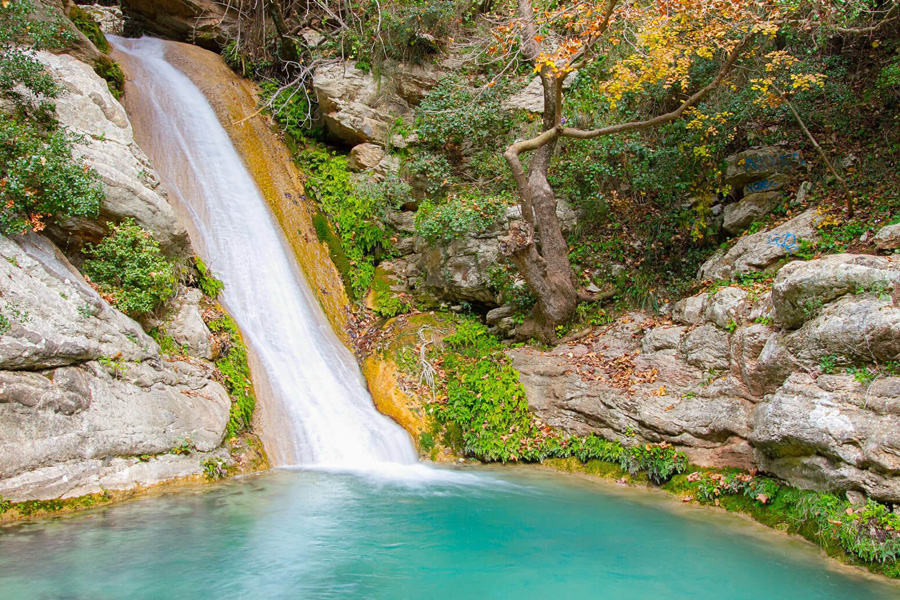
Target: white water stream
327, 413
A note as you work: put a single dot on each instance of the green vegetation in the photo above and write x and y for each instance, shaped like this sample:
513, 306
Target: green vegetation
215, 469
356, 212
232, 364
129, 269
110, 70
89, 27
40, 179
458, 216
207, 282
868, 534
482, 411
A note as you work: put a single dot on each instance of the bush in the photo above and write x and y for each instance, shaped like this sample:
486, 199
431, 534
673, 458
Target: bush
458, 216
129, 269
40, 180
209, 285
450, 115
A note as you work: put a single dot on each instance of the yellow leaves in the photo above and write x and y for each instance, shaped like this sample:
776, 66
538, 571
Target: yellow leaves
5, 3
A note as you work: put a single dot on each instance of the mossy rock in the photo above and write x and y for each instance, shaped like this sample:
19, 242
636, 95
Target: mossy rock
90, 28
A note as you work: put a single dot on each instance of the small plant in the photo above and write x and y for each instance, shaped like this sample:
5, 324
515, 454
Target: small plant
115, 364
828, 363
862, 374
215, 469
233, 369
183, 447
85, 311
5, 505
459, 216
389, 305
764, 320
129, 269
209, 285
660, 461
732, 326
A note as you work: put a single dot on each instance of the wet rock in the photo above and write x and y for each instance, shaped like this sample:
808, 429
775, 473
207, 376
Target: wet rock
206, 23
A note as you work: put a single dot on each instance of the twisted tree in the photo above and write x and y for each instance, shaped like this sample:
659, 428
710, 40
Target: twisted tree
645, 45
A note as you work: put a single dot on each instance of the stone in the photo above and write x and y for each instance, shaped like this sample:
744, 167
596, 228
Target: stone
727, 308
187, 327
706, 348
689, 311
53, 317
354, 108
831, 434
662, 338
856, 498
132, 188
531, 97
110, 18
772, 183
888, 238
365, 157
313, 38
412, 82
206, 23
740, 215
802, 288
762, 250
760, 163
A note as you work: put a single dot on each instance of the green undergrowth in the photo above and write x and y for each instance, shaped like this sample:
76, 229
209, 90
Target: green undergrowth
355, 212
232, 363
89, 27
866, 535
481, 411
36, 508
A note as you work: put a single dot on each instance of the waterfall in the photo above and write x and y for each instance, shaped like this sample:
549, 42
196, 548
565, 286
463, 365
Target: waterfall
323, 409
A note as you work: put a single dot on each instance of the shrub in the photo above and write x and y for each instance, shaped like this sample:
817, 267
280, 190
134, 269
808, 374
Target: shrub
450, 115
129, 269
209, 285
40, 180
459, 216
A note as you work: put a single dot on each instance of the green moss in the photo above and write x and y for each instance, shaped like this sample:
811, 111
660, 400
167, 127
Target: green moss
235, 371
386, 302
89, 27
110, 70
33, 508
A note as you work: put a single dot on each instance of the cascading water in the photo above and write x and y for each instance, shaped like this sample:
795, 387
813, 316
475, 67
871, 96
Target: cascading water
327, 413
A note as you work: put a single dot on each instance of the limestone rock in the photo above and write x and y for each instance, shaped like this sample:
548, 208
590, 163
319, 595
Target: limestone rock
187, 327
110, 18
53, 318
706, 348
531, 97
762, 250
132, 188
740, 215
760, 163
206, 23
888, 238
365, 157
831, 434
412, 82
689, 311
355, 109
727, 308
802, 288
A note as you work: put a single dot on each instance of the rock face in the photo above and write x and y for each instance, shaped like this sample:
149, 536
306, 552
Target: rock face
84, 392
110, 18
132, 188
207, 23
737, 379
888, 238
763, 250
459, 270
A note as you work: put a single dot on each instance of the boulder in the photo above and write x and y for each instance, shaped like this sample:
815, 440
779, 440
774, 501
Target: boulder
206, 23
187, 327
354, 107
832, 434
763, 250
740, 215
727, 308
83, 390
888, 238
132, 188
53, 318
365, 157
110, 18
689, 311
706, 348
758, 164
802, 288
531, 97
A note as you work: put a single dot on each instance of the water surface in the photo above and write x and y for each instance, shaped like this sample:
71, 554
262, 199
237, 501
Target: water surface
414, 533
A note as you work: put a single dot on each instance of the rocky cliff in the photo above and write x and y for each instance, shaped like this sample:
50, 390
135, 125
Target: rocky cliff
88, 402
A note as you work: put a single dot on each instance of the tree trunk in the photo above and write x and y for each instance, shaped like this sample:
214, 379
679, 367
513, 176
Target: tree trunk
537, 246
